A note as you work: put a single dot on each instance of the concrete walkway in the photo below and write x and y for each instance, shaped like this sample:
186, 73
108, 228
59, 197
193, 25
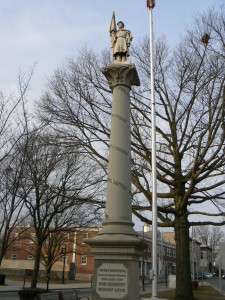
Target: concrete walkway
13, 285
84, 288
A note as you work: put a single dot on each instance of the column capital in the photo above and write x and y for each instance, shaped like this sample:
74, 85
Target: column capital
121, 74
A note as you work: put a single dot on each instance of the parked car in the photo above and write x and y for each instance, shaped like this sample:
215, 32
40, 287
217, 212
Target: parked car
208, 275
199, 275
223, 275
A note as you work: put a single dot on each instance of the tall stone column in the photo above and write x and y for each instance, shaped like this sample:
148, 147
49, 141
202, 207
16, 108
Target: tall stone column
117, 247
118, 216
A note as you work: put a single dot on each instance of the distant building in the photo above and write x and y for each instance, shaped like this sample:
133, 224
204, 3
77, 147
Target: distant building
195, 255
221, 256
168, 239
206, 263
166, 261
78, 257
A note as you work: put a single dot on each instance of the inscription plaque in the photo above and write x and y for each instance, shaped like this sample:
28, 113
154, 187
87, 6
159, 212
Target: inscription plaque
112, 281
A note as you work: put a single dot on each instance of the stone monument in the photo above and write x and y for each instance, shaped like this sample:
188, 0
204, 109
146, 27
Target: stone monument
117, 248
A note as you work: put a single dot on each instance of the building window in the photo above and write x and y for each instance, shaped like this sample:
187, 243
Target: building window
16, 236
83, 260
32, 237
66, 238
29, 256
13, 256
149, 249
168, 251
63, 258
164, 250
84, 236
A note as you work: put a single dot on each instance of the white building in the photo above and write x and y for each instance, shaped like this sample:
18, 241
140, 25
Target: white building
195, 254
206, 261
221, 256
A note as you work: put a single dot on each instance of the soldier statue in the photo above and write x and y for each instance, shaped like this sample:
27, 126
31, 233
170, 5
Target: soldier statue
120, 40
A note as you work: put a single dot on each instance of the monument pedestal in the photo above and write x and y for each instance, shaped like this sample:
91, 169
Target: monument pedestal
116, 270
117, 248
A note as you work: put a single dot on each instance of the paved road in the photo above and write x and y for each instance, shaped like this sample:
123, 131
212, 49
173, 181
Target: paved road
9, 291
216, 282
86, 290
9, 295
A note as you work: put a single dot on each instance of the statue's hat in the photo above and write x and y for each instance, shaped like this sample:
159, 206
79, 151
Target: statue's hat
120, 22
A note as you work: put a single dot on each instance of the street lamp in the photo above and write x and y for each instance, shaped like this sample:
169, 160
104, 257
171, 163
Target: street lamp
63, 252
220, 275
143, 263
193, 251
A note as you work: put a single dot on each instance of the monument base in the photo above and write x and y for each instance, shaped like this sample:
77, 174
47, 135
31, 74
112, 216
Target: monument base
116, 268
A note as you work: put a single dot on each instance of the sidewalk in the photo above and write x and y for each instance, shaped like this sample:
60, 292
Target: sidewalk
13, 285
148, 288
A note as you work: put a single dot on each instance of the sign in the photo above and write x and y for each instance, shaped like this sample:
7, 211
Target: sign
112, 281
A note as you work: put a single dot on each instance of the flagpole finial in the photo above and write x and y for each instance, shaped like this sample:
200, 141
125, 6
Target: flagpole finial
150, 3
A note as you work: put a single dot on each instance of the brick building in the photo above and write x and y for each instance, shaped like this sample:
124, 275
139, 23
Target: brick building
78, 257
166, 261
66, 250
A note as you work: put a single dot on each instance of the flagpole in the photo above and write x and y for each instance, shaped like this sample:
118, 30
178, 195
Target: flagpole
154, 176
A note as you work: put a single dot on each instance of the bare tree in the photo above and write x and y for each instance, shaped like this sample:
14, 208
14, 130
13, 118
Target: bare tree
14, 116
52, 249
11, 206
209, 236
14, 120
57, 189
190, 98
58, 245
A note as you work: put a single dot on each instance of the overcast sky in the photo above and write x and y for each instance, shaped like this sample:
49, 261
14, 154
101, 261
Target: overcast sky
47, 31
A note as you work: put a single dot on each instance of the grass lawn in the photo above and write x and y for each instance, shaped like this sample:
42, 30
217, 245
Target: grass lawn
203, 293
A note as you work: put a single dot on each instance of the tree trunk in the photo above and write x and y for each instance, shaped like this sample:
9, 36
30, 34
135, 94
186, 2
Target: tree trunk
36, 266
4, 243
183, 271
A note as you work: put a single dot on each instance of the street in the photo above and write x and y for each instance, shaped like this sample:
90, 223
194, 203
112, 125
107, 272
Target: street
9, 295
216, 282
86, 291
